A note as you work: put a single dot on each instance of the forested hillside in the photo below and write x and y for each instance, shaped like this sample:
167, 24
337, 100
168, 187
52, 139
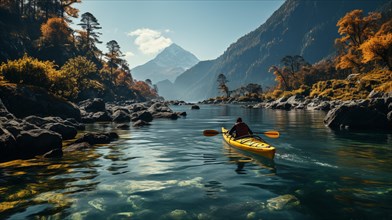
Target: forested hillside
304, 28
39, 48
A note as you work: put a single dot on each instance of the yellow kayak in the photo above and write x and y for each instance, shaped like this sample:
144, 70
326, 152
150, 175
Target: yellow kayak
253, 144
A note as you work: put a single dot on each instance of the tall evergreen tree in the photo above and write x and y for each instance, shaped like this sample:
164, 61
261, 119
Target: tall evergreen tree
114, 55
222, 84
90, 36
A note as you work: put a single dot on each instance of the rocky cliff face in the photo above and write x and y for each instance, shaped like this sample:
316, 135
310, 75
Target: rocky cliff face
298, 27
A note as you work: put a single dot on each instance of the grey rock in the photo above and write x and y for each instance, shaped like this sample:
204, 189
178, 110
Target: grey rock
140, 123
98, 138
168, 115
123, 126
101, 116
7, 145
23, 101
355, 117
195, 107
159, 107
55, 153
66, 132
93, 105
142, 115
77, 147
121, 116
37, 142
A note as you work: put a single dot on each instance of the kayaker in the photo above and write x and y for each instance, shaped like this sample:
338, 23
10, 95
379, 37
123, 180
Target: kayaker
240, 129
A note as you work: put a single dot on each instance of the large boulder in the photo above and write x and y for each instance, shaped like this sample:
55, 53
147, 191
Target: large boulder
93, 105
137, 107
195, 107
121, 116
98, 138
356, 117
67, 132
142, 115
90, 117
159, 107
37, 142
7, 145
283, 106
389, 117
3, 110
16, 126
168, 115
22, 101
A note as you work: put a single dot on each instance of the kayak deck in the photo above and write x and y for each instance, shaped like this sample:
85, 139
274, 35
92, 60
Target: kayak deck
253, 144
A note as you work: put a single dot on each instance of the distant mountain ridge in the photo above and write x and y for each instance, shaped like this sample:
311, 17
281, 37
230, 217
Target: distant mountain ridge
298, 27
168, 64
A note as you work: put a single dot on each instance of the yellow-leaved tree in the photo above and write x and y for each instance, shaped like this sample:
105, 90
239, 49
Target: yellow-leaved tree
379, 47
354, 29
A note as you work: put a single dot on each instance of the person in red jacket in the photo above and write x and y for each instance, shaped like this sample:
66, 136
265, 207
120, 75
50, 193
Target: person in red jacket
240, 129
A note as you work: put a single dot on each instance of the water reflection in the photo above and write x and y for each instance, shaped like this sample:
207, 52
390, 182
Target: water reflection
241, 159
48, 185
170, 171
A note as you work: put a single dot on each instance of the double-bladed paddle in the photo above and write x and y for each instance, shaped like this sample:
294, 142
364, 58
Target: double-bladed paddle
270, 134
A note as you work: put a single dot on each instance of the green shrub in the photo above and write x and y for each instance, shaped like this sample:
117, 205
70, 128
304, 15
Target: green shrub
79, 68
30, 71
75, 75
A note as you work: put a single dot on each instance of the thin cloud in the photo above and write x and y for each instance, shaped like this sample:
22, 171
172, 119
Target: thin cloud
150, 41
129, 54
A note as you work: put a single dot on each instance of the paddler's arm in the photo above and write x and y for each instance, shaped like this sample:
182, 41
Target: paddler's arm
250, 131
232, 130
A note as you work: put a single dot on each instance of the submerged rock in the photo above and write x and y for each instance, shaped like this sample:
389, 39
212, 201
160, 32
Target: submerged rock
98, 138
140, 123
282, 202
77, 147
58, 199
56, 153
123, 126
98, 204
169, 115
178, 214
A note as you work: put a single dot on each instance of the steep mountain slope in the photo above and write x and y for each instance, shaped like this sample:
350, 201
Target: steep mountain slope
298, 27
168, 64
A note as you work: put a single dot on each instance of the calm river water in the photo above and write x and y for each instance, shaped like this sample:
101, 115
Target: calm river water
169, 170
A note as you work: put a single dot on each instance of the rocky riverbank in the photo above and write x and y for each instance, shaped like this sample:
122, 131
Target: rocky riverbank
34, 122
375, 112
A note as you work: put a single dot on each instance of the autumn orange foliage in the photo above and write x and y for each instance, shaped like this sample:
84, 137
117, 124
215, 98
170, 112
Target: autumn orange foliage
144, 89
379, 46
354, 29
365, 48
56, 32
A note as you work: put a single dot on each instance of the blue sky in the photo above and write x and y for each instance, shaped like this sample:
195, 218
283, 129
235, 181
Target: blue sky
205, 28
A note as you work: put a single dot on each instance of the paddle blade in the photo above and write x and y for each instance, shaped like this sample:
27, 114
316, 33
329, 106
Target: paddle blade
271, 134
210, 132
